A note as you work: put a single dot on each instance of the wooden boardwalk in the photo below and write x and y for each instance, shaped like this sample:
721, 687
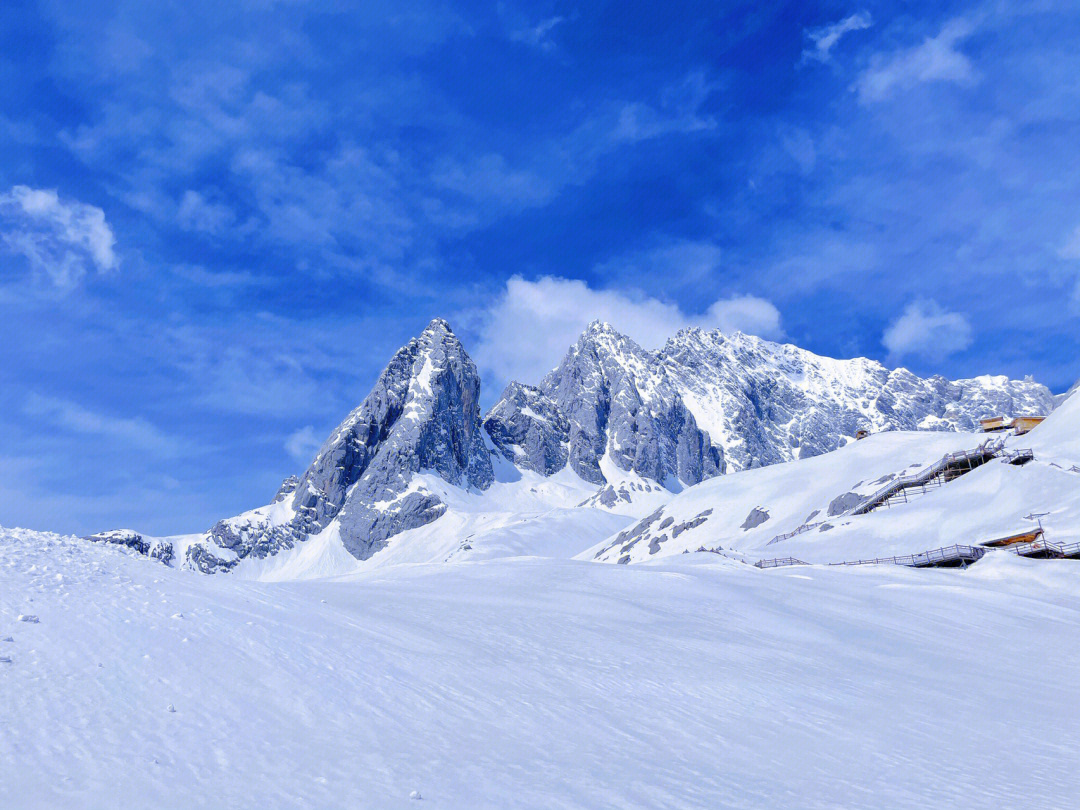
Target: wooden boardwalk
1043, 549
956, 556
779, 562
946, 469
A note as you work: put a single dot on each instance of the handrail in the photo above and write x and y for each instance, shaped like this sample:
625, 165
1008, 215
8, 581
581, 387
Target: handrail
925, 476
798, 530
778, 562
925, 558
1040, 545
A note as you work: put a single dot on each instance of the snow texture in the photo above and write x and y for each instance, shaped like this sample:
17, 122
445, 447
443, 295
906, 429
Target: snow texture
693, 682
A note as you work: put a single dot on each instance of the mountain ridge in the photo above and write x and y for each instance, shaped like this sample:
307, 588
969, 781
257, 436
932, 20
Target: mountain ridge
636, 425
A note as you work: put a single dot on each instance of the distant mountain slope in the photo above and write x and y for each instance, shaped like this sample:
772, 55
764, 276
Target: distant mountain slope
608, 398
766, 402
614, 427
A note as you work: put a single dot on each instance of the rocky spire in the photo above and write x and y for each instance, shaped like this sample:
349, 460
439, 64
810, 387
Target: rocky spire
421, 416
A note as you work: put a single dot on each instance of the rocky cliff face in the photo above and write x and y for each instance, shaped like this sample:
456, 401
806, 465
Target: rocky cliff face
421, 416
609, 399
708, 403
765, 402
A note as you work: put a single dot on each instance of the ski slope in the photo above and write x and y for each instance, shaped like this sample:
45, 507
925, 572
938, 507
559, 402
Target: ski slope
691, 682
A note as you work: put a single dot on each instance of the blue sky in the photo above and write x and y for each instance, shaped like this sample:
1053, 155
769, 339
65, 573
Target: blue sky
219, 220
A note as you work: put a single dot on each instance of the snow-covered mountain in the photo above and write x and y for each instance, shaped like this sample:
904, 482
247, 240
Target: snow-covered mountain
758, 403
609, 409
766, 402
803, 509
614, 427
423, 414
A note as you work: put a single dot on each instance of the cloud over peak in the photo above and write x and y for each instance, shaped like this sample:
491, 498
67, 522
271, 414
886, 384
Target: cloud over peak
528, 328
926, 329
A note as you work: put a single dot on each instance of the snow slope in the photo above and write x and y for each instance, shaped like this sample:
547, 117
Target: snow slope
690, 682
991, 501
523, 513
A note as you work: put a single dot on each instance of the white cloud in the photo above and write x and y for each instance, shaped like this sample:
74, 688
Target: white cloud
743, 313
927, 330
134, 432
527, 330
196, 213
823, 39
936, 59
679, 112
303, 444
61, 239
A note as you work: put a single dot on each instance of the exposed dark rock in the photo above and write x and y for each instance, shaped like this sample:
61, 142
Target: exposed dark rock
756, 517
160, 550
842, 503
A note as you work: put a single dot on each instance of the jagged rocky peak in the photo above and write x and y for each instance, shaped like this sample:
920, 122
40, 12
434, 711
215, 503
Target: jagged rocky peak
607, 400
766, 402
422, 416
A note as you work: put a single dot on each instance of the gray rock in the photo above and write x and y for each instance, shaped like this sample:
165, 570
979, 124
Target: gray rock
756, 517
529, 430
160, 550
842, 503
200, 558
766, 403
604, 398
287, 488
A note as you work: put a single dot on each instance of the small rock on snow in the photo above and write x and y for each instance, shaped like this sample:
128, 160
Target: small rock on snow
27, 618
415, 795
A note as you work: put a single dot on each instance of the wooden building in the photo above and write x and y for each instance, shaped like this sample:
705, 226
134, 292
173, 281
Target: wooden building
1018, 424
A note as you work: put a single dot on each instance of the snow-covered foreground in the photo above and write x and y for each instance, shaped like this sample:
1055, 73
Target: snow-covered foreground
689, 682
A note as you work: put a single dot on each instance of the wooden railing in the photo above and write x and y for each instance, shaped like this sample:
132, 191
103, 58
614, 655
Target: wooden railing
799, 530
964, 555
923, 477
779, 562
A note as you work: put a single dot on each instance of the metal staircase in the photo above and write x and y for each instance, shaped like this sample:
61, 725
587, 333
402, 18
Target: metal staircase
946, 469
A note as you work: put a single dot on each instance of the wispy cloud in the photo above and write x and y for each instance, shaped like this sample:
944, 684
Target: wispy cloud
61, 239
135, 432
303, 444
936, 59
824, 39
679, 111
197, 213
539, 35
1071, 248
